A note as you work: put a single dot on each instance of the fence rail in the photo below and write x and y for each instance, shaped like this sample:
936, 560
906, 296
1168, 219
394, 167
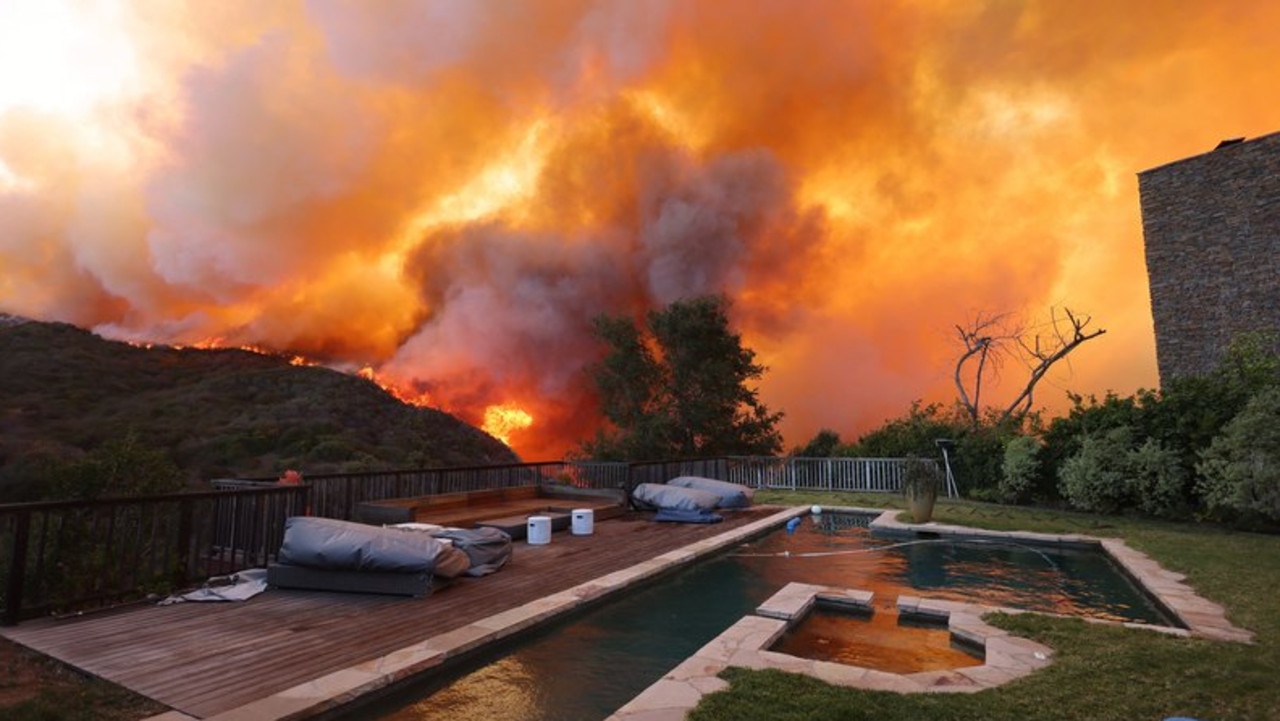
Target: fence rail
336, 495
68, 556
867, 475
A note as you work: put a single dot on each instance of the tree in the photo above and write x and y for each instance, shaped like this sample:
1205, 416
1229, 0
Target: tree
914, 434
988, 340
826, 444
678, 387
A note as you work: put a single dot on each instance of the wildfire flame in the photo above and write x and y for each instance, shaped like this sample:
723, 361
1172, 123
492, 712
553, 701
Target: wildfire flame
503, 420
450, 192
404, 395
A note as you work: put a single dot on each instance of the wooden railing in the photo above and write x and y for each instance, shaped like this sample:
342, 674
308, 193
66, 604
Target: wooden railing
67, 556
336, 495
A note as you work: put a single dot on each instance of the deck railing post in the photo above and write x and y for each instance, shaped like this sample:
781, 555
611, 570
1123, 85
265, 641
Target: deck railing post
17, 570
348, 512
187, 570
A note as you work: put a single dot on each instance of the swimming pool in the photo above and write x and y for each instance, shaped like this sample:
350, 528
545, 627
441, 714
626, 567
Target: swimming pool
589, 665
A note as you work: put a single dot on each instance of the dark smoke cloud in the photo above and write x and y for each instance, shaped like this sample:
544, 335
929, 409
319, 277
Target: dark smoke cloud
451, 190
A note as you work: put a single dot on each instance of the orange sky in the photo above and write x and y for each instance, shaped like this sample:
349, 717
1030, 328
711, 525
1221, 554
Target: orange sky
449, 191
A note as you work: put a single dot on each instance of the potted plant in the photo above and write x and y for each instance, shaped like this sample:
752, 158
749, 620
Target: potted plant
921, 480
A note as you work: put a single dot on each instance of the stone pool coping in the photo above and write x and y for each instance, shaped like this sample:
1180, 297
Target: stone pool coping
746, 644
329, 692
1007, 657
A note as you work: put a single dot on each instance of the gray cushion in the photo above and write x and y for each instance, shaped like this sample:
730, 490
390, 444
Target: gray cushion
659, 495
341, 545
732, 495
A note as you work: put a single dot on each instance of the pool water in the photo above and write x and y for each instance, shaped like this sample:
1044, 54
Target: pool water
880, 640
833, 550
587, 666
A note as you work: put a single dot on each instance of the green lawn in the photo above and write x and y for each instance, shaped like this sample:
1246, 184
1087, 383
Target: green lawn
1099, 672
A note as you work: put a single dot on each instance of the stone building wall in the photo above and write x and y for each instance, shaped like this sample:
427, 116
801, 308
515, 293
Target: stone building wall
1211, 225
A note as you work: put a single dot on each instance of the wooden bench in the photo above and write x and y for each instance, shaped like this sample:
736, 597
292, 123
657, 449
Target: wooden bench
505, 508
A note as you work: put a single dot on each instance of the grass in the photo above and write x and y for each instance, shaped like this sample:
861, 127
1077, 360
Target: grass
1099, 672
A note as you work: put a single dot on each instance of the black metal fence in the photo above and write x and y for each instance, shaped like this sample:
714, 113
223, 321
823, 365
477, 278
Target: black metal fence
66, 556
336, 495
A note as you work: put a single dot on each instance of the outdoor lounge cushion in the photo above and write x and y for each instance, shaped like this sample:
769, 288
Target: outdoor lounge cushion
487, 549
452, 562
287, 575
326, 543
660, 495
732, 495
673, 515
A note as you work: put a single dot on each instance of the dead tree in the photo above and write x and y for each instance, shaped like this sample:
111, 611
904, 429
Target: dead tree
989, 339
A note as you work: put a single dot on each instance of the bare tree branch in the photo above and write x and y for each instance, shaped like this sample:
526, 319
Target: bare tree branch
987, 336
982, 340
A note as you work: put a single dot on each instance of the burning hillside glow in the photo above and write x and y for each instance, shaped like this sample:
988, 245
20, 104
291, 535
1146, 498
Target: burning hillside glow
504, 420
446, 193
404, 395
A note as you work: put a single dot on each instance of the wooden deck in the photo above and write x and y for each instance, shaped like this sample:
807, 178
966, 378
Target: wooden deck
206, 658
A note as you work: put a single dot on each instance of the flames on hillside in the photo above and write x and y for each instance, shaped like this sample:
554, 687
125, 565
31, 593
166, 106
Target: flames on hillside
499, 420
449, 193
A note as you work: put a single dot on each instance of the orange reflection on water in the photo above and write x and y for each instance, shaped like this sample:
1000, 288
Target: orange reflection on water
876, 641
834, 550
505, 690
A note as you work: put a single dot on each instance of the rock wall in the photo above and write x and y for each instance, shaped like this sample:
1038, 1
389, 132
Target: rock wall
1211, 225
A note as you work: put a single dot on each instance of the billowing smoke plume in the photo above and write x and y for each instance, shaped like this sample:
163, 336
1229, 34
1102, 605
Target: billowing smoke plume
449, 191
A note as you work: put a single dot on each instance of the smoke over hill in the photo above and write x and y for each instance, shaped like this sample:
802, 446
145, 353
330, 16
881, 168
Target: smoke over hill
449, 191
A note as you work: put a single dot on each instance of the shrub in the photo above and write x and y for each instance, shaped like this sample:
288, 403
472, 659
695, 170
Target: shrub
826, 444
1088, 416
1158, 480
122, 466
915, 434
979, 461
1240, 471
978, 455
1021, 469
1094, 479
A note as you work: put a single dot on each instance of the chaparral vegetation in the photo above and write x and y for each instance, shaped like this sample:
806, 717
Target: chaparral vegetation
1203, 448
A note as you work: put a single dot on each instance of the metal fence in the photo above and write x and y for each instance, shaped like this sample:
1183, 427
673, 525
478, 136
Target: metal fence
663, 471
70, 555
867, 475
336, 495
66, 556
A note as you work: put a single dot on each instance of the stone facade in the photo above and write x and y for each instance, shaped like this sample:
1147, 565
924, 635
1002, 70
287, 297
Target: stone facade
1211, 225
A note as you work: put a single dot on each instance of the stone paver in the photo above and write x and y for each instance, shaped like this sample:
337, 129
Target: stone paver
746, 644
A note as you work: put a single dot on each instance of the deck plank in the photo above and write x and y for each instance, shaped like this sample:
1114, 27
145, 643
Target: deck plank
205, 658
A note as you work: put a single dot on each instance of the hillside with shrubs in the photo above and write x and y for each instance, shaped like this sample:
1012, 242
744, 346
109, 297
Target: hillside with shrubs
81, 416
